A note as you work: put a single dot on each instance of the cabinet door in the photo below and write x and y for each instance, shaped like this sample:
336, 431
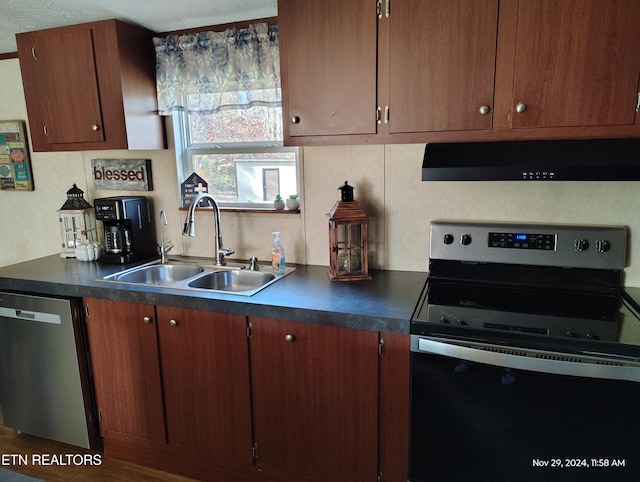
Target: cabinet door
315, 395
577, 63
442, 64
64, 67
394, 406
205, 366
328, 53
126, 369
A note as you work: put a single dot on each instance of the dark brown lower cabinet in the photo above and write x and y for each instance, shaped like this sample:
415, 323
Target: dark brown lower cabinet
224, 397
205, 373
394, 407
315, 400
125, 360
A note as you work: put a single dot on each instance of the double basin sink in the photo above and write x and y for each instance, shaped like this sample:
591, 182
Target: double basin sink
232, 278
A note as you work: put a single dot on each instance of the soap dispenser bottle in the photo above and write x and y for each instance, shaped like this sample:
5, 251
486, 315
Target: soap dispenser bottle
277, 255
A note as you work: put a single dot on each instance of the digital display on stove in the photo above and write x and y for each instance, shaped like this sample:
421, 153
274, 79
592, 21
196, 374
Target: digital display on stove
546, 242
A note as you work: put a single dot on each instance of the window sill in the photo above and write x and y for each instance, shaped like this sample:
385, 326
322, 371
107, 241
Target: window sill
248, 210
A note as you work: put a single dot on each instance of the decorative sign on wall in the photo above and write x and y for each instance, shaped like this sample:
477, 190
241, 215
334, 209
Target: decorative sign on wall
122, 174
191, 187
15, 167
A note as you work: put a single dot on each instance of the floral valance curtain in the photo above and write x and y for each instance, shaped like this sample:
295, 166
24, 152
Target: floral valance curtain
210, 71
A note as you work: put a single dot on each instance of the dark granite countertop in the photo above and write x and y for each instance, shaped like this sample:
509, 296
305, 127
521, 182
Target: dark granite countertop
384, 303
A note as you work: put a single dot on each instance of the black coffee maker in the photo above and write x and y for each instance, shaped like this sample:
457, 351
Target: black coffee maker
129, 234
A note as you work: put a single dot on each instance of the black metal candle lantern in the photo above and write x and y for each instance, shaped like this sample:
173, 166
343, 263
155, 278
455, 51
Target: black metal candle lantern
77, 222
348, 239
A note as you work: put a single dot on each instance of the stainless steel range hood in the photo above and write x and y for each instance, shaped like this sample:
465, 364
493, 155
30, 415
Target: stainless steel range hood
557, 160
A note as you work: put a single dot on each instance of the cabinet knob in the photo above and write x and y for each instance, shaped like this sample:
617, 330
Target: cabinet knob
173, 322
484, 109
295, 119
289, 338
95, 127
521, 107
147, 319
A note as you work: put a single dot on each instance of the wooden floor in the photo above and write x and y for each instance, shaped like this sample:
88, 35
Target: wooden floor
13, 445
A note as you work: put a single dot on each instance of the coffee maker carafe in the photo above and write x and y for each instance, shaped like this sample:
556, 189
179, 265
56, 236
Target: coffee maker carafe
129, 234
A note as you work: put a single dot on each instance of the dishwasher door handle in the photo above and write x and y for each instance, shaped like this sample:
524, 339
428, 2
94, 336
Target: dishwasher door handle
37, 316
592, 365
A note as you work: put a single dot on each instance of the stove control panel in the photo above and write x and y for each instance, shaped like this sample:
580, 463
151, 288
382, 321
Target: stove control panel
562, 245
522, 241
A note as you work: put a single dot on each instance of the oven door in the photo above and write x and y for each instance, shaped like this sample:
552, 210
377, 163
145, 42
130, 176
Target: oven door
483, 412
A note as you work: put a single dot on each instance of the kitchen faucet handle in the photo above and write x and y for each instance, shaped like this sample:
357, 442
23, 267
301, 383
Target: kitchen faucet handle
222, 252
165, 247
253, 264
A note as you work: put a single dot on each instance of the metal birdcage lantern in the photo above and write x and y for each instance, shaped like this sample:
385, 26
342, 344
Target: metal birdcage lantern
77, 222
348, 239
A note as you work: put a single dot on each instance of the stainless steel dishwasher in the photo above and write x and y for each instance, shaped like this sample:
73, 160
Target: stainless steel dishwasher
44, 372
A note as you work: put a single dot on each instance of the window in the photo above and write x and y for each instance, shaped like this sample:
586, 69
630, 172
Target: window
222, 89
239, 154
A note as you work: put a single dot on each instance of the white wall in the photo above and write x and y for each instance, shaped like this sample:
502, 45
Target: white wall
387, 182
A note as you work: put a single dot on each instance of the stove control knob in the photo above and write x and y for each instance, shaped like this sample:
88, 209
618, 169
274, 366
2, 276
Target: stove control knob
447, 238
572, 334
465, 240
581, 244
592, 336
602, 246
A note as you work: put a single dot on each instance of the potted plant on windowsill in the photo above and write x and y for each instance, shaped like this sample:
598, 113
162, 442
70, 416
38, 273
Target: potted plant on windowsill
293, 202
278, 204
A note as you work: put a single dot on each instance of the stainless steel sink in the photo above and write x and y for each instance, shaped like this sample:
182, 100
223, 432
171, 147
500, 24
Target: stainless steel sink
236, 280
158, 274
233, 278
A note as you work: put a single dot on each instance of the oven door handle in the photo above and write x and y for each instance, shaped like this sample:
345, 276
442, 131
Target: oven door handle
594, 365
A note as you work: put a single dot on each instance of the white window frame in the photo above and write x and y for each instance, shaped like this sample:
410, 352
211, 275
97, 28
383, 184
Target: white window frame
185, 151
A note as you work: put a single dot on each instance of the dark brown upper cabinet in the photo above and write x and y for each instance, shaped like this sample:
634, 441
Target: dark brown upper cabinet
570, 64
455, 70
329, 60
91, 87
441, 65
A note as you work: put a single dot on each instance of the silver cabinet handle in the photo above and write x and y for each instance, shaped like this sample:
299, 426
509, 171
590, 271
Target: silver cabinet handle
147, 319
173, 322
484, 109
521, 107
95, 127
290, 338
295, 119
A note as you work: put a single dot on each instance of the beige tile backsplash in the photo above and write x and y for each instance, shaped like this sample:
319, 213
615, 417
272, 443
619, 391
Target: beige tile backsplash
388, 186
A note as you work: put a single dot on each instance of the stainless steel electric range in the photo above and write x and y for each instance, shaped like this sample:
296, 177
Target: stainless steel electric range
525, 355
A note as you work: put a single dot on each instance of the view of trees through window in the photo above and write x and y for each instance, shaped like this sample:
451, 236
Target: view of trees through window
256, 124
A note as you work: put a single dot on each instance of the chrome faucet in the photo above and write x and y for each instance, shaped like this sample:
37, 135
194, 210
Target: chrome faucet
190, 226
164, 247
